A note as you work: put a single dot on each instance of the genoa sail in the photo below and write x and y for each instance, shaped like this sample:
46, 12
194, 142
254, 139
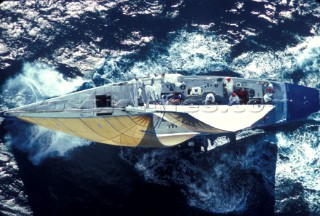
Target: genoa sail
133, 131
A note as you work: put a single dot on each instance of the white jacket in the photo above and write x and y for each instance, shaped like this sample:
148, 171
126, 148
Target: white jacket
209, 98
234, 100
228, 86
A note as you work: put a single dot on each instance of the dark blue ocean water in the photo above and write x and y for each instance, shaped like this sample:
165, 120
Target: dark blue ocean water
50, 48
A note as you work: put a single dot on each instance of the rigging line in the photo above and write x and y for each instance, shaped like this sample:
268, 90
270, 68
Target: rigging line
65, 110
132, 98
135, 122
158, 122
71, 130
164, 109
115, 128
161, 118
134, 125
91, 129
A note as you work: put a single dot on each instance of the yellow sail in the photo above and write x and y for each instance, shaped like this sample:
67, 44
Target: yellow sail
114, 130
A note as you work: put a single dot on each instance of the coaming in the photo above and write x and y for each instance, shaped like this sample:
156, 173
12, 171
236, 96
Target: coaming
140, 112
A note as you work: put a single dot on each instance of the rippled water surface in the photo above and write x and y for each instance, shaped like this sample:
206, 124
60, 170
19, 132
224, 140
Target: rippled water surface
50, 48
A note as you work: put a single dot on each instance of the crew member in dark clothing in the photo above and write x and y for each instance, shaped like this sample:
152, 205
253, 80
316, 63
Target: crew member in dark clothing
243, 95
176, 98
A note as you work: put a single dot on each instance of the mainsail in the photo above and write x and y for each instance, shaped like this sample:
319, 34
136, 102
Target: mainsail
185, 120
214, 118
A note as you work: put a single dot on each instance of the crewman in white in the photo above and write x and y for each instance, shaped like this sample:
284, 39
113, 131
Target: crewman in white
267, 97
137, 89
269, 85
210, 99
172, 79
228, 85
234, 99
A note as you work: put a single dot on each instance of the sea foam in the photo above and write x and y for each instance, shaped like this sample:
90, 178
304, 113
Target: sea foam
36, 82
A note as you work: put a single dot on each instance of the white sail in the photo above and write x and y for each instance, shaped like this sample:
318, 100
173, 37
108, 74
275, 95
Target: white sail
219, 117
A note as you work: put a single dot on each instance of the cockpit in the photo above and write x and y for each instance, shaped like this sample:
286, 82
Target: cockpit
195, 90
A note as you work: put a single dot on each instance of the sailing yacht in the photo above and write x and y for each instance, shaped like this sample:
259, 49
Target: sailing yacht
169, 109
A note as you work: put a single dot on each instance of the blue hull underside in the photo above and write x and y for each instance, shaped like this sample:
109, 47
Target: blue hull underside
302, 101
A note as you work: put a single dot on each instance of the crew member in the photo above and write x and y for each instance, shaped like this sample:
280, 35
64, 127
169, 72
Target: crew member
176, 99
173, 79
267, 97
234, 99
137, 90
269, 85
228, 85
243, 95
210, 99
